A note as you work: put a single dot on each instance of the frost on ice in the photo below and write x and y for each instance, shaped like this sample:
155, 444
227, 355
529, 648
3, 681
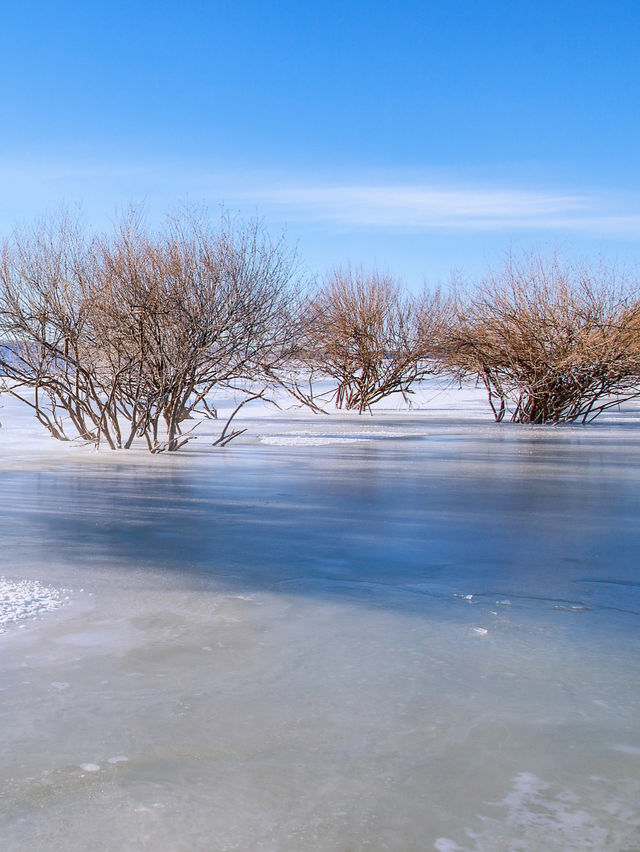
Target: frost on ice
27, 598
540, 815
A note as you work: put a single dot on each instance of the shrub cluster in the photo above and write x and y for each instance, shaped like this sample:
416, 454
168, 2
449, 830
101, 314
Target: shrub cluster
371, 338
550, 342
115, 338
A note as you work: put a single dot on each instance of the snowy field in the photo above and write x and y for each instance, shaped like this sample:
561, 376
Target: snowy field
417, 630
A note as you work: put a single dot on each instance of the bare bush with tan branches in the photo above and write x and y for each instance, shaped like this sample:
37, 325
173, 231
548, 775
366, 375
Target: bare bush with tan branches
49, 357
551, 342
193, 310
371, 337
116, 338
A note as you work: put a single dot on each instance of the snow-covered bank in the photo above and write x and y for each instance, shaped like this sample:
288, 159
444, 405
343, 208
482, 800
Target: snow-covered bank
437, 407
286, 423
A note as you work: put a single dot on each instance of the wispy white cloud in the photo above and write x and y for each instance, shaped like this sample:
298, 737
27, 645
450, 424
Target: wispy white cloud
373, 205
418, 206
436, 207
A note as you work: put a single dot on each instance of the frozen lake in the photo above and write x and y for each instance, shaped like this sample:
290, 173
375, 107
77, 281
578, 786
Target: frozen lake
418, 631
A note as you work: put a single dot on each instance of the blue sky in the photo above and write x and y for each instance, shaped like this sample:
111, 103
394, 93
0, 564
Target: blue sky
421, 137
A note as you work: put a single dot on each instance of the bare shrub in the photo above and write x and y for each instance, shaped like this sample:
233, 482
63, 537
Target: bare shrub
49, 358
126, 336
372, 338
551, 342
190, 311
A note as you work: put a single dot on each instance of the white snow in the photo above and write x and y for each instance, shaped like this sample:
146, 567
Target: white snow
342, 435
26, 599
305, 440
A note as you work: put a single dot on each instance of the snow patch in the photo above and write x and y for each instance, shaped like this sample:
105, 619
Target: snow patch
317, 439
304, 440
26, 599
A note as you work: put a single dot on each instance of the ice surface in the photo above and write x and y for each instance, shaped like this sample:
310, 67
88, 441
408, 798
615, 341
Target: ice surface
538, 816
423, 637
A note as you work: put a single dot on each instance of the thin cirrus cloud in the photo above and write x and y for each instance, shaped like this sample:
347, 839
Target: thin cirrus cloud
433, 207
391, 206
